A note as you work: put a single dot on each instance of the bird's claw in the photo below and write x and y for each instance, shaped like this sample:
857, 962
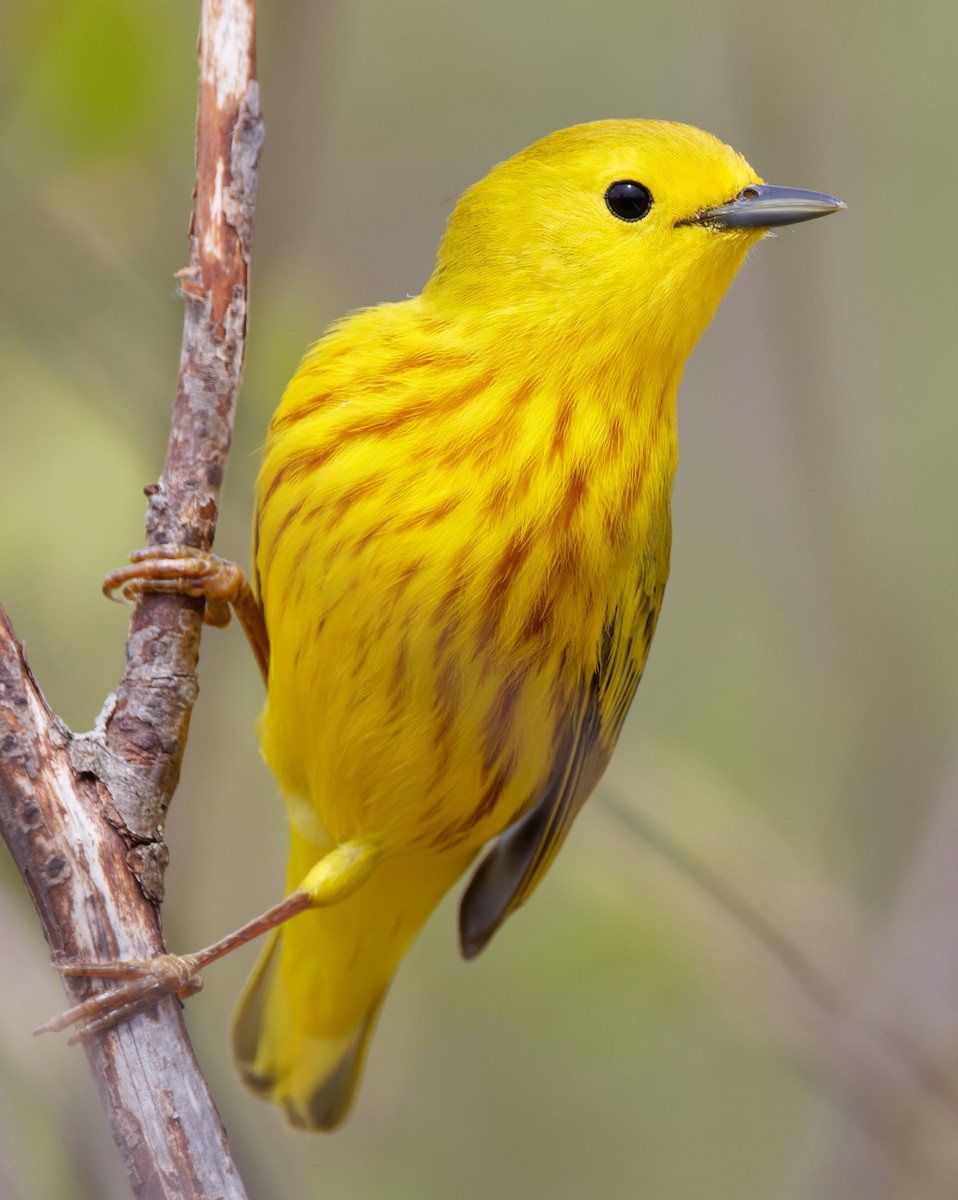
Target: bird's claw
145, 985
179, 571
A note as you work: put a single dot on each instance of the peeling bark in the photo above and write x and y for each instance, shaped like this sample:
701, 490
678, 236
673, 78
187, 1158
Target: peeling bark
60, 825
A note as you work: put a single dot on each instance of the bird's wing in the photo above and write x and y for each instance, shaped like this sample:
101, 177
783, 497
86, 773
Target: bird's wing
518, 859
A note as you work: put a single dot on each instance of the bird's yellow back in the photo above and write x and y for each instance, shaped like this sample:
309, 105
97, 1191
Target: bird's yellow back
462, 543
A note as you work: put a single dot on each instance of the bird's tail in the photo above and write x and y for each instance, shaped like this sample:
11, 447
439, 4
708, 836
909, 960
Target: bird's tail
307, 1013
311, 1074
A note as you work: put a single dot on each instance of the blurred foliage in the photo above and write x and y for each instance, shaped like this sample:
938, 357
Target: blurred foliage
624, 1035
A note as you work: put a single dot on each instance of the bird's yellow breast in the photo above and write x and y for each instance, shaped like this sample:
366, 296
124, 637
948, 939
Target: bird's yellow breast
441, 545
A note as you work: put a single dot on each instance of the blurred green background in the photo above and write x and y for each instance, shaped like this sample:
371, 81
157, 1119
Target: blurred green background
626, 1035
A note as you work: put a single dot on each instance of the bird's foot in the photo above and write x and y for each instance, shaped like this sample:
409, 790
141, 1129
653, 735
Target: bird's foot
144, 985
177, 570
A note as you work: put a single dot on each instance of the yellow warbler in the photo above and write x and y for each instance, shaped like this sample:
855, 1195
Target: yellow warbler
462, 542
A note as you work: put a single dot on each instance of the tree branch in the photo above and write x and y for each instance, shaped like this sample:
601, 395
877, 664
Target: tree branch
59, 825
83, 815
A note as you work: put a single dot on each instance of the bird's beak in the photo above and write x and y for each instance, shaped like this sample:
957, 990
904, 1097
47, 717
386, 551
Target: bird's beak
762, 205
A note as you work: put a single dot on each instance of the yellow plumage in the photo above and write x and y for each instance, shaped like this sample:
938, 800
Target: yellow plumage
462, 542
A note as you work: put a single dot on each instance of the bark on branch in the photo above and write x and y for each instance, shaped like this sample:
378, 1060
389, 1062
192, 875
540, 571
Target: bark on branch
83, 815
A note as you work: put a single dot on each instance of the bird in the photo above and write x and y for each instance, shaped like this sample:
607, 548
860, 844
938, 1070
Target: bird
461, 546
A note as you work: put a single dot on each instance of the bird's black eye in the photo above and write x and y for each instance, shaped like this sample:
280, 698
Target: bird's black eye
628, 200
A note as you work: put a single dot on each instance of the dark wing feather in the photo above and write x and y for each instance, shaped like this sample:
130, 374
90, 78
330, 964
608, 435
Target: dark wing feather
517, 860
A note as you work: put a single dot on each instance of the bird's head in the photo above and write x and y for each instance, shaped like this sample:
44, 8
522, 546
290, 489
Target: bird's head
632, 226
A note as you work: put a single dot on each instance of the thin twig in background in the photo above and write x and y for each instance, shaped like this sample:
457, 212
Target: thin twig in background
877, 1038
83, 815
908, 991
